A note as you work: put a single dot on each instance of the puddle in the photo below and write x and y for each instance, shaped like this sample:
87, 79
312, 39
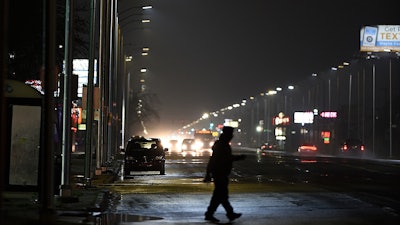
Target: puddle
117, 218
103, 219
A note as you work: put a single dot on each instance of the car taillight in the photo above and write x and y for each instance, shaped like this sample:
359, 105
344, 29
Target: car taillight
362, 147
344, 147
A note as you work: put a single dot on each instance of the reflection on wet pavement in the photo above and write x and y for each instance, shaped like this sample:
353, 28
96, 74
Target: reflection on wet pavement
105, 218
111, 218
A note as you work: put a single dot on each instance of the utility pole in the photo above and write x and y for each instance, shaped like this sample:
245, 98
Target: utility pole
101, 74
65, 189
89, 93
46, 188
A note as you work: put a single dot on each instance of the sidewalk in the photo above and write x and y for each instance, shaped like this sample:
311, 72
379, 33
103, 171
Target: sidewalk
85, 201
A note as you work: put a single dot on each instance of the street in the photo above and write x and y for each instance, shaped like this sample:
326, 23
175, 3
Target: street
274, 188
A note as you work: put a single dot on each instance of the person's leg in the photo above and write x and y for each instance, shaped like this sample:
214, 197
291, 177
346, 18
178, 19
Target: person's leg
224, 194
214, 203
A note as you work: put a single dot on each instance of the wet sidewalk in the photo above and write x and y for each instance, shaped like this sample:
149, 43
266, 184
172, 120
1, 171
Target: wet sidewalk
85, 201
23, 208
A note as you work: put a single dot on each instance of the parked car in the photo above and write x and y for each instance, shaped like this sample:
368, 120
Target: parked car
352, 146
307, 149
144, 154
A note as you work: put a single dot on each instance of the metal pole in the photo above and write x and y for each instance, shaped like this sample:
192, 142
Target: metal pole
363, 106
128, 100
47, 171
373, 108
110, 80
329, 94
124, 95
66, 136
106, 90
89, 93
100, 75
349, 110
390, 108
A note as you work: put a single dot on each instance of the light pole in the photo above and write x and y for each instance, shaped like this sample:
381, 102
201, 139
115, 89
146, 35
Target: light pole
89, 93
270, 94
373, 107
65, 189
349, 109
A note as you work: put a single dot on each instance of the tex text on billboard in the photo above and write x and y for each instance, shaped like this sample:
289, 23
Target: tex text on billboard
380, 38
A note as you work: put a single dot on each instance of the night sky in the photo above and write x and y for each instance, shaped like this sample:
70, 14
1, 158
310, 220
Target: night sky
209, 54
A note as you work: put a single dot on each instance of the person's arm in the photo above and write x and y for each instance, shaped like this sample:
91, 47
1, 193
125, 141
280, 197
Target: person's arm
210, 166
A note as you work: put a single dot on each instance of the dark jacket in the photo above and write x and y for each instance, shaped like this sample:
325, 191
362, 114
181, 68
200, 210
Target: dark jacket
221, 161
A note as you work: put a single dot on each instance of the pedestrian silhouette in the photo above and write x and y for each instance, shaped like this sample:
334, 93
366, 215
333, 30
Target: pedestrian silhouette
218, 169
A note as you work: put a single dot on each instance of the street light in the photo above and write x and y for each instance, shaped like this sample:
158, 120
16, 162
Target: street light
147, 7
136, 7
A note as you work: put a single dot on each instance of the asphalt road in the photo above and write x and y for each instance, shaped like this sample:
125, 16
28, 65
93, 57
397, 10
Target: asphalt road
270, 188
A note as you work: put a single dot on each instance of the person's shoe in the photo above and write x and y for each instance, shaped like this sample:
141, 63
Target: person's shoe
211, 218
233, 216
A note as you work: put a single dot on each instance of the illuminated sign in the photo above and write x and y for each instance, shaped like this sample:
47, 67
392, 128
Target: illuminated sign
380, 38
231, 123
303, 117
81, 68
280, 133
326, 136
328, 114
281, 119
203, 132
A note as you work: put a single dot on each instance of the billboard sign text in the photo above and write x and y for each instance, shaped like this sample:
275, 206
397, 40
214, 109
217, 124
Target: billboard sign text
380, 38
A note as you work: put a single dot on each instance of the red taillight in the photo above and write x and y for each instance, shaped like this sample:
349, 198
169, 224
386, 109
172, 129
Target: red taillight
362, 147
345, 147
309, 147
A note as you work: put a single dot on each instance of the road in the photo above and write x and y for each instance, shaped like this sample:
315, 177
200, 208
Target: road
270, 188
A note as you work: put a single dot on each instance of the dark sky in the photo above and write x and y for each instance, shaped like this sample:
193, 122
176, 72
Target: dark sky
208, 54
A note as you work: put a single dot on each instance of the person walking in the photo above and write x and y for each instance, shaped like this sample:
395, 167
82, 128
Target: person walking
218, 168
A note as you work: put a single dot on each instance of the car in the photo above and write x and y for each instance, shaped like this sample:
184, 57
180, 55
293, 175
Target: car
352, 146
144, 154
173, 144
268, 146
189, 146
307, 149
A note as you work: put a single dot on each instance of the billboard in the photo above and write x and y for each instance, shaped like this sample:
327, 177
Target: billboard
380, 38
303, 117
